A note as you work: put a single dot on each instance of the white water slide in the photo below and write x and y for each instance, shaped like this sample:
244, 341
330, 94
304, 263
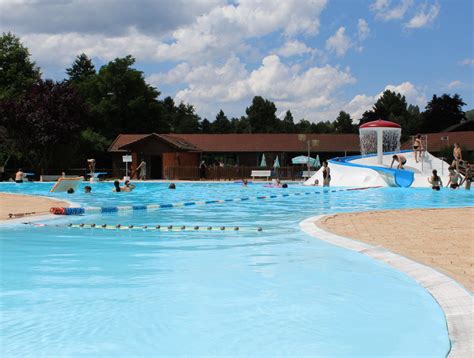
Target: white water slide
366, 171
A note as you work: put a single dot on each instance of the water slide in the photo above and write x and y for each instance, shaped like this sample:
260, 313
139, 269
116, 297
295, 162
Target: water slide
393, 177
366, 171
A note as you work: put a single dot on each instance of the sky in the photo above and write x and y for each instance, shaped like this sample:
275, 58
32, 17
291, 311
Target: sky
313, 57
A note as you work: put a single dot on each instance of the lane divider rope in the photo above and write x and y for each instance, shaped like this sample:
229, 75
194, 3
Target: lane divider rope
114, 209
166, 228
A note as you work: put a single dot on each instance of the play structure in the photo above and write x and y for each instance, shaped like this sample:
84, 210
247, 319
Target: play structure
379, 141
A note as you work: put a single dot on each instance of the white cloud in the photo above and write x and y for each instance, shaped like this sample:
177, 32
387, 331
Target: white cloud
363, 30
455, 84
362, 102
111, 18
223, 29
192, 31
294, 48
339, 42
62, 48
467, 62
424, 17
383, 10
306, 92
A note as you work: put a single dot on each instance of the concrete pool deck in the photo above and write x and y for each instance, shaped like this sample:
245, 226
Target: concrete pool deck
455, 300
31, 205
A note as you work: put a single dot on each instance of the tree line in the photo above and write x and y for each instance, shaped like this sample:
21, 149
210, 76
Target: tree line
45, 123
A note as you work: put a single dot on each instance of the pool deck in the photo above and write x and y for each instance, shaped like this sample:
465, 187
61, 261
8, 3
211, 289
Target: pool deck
26, 206
422, 235
441, 238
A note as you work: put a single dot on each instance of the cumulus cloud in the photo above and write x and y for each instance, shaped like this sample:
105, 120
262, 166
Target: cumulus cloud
293, 48
306, 92
223, 29
384, 11
455, 84
339, 43
161, 31
424, 17
362, 102
363, 30
100, 16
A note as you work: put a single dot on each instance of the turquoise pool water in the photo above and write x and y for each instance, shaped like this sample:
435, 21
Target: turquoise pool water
86, 292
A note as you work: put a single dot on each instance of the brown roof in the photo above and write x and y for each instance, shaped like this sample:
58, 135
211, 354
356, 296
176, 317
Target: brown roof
435, 143
124, 139
252, 142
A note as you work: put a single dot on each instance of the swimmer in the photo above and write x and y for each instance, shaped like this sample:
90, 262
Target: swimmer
284, 186
70, 191
117, 188
316, 182
87, 189
172, 186
127, 187
454, 178
435, 181
400, 159
245, 182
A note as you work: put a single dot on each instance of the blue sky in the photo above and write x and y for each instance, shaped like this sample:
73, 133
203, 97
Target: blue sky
314, 57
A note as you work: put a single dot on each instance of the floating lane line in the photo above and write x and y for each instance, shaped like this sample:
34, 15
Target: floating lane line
114, 209
166, 228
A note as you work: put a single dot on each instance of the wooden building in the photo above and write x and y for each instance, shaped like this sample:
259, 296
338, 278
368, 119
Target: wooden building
178, 156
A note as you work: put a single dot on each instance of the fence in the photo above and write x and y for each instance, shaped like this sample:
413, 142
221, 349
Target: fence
228, 173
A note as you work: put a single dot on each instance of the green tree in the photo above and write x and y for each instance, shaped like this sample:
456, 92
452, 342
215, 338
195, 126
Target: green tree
240, 125
343, 123
389, 104
222, 124
17, 71
303, 126
288, 125
44, 124
322, 127
261, 116
81, 69
122, 102
205, 126
442, 112
185, 120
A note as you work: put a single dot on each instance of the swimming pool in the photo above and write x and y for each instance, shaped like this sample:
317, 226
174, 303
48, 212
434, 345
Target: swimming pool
89, 292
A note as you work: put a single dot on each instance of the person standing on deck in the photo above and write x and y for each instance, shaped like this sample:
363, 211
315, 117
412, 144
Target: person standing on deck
457, 154
326, 174
142, 168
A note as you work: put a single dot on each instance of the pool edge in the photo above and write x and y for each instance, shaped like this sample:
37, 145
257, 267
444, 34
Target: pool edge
455, 301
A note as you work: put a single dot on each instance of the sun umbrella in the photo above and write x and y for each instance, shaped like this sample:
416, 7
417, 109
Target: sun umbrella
303, 159
276, 164
263, 163
318, 163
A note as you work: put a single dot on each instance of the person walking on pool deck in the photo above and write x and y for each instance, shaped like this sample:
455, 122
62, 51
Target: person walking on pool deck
417, 147
400, 159
142, 168
326, 174
435, 181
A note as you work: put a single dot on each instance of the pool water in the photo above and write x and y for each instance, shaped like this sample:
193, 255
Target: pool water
279, 292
